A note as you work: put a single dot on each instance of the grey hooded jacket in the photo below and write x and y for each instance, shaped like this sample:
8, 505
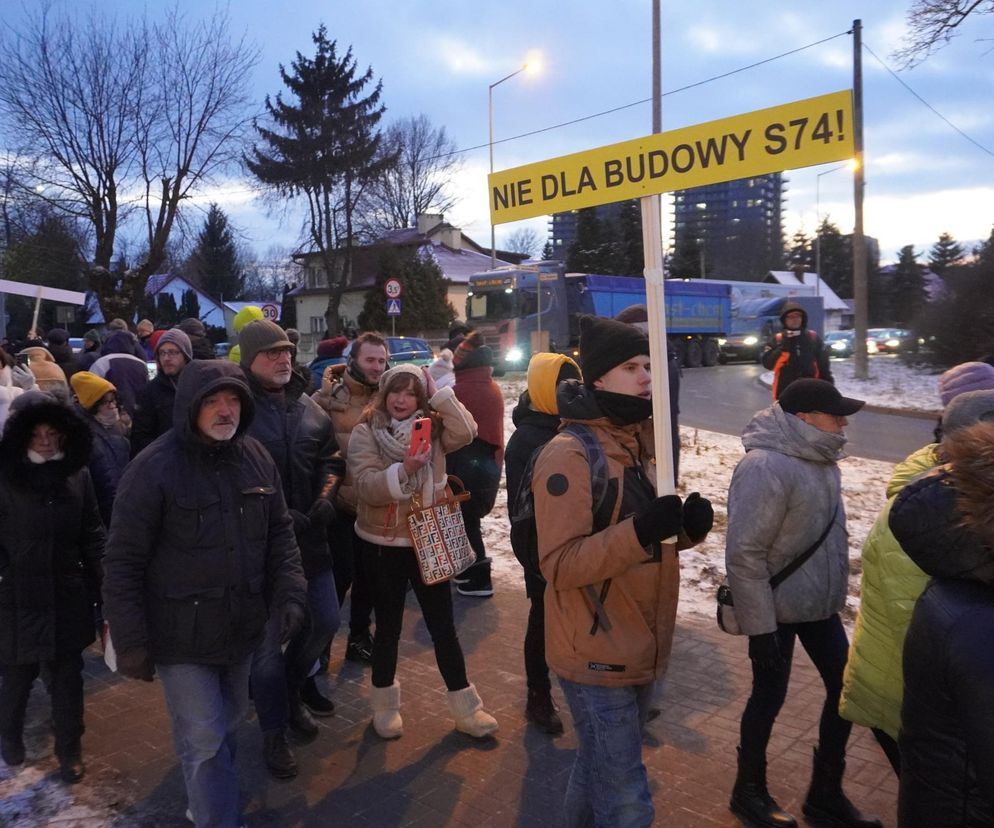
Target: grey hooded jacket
782, 496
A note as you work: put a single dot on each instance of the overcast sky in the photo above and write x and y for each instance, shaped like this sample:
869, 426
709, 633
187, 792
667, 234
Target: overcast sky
438, 58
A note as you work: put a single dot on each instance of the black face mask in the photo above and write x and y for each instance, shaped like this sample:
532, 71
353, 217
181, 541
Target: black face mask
623, 409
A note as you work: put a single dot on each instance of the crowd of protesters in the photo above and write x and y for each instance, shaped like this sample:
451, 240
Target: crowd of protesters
212, 521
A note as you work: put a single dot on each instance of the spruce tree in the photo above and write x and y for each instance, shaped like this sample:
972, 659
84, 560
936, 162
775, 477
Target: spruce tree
167, 313
214, 261
801, 252
907, 288
946, 252
425, 304
323, 145
836, 259
189, 305
629, 256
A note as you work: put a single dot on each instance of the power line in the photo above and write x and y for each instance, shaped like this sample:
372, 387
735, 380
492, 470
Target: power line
934, 111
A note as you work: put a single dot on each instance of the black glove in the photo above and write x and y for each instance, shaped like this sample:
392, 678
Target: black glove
661, 519
321, 513
292, 622
698, 517
301, 523
764, 650
136, 664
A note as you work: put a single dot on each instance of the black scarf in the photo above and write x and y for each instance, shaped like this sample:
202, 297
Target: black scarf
623, 409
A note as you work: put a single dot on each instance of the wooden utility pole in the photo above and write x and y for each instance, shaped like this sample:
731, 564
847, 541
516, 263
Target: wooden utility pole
860, 293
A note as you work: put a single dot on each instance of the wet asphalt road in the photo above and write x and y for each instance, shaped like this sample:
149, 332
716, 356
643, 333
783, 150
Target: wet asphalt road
725, 397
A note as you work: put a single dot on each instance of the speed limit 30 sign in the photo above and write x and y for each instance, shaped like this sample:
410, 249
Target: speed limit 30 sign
392, 288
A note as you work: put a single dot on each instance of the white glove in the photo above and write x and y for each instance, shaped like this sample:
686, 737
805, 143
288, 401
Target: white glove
22, 377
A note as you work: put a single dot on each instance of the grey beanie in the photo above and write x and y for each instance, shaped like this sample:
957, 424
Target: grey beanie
179, 339
413, 370
967, 409
260, 335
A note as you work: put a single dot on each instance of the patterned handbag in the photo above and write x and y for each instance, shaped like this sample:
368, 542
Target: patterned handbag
438, 535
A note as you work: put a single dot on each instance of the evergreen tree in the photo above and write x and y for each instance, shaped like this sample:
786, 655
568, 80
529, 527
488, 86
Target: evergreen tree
324, 146
946, 252
167, 314
214, 261
907, 289
801, 253
592, 250
425, 304
686, 261
836, 259
629, 256
984, 252
189, 305
288, 309
959, 324
548, 252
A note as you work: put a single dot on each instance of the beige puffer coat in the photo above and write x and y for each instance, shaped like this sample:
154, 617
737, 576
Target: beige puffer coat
382, 487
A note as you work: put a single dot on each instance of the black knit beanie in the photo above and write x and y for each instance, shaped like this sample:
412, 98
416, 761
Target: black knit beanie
605, 344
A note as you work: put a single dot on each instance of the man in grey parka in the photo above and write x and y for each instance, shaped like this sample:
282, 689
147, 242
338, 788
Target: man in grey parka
784, 499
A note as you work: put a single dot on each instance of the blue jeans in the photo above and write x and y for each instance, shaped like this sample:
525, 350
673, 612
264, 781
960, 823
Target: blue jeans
277, 676
608, 786
206, 704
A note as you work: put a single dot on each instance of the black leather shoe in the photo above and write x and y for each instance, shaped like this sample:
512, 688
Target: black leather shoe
71, 769
303, 728
359, 648
541, 712
12, 750
316, 703
277, 755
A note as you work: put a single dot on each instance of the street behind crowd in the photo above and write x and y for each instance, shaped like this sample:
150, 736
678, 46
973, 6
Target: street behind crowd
436, 776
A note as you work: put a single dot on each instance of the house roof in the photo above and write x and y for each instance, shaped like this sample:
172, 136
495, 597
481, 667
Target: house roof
830, 297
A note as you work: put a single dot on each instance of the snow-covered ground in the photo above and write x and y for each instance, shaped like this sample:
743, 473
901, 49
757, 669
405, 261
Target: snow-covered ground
707, 461
891, 384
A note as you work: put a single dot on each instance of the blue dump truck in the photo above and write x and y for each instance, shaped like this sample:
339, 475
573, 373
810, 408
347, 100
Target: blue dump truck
755, 321
526, 310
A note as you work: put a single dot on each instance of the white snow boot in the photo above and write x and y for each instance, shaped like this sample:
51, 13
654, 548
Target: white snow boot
385, 702
467, 709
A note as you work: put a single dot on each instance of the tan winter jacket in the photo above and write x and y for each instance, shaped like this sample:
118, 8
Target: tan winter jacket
638, 595
343, 398
383, 490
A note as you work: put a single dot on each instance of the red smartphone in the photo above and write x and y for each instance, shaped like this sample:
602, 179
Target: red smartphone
420, 436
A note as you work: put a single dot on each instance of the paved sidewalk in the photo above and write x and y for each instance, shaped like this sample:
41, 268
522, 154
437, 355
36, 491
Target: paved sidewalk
434, 776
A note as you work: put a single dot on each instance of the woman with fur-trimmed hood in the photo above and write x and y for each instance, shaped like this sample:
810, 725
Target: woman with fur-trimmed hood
50, 551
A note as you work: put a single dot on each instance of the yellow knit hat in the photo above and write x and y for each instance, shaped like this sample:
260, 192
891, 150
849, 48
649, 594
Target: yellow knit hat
250, 313
90, 389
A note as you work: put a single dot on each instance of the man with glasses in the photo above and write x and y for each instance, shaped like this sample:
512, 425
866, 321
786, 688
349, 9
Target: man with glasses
298, 435
154, 405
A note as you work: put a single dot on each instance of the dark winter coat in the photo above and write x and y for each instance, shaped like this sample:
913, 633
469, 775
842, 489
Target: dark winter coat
201, 544
111, 452
51, 542
947, 720
478, 465
299, 437
795, 357
123, 364
153, 412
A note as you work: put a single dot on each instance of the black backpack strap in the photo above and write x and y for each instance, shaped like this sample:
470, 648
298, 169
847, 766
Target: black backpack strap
595, 459
798, 562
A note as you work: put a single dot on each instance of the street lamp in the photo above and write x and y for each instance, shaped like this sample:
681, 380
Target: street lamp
531, 67
848, 165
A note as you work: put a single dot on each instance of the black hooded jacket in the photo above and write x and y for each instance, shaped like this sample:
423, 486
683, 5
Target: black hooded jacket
153, 411
51, 541
201, 544
796, 357
947, 718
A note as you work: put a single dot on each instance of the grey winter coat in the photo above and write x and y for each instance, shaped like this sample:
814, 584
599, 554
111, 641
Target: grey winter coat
783, 494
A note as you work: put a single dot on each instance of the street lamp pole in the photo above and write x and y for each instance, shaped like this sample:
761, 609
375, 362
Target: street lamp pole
490, 122
818, 223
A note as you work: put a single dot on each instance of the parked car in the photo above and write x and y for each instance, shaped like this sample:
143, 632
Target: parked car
840, 343
889, 340
221, 350
747, 339
404, 349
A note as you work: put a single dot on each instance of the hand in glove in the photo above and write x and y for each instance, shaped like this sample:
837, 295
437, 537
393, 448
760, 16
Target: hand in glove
22, 377
292, 622
698, 517
321, 513
764, 650
136, 664
301, 523
661, 519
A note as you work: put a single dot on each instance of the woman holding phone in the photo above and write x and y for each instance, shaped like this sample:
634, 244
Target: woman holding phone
387, 475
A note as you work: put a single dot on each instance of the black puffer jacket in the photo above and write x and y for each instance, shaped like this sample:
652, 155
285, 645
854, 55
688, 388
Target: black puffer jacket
153, 412
111, 452
201, 544
299, 437
947, 720
796, 357
51, 541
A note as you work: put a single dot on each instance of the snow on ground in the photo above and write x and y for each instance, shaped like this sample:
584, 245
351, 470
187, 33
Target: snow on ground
891, 384
707, 461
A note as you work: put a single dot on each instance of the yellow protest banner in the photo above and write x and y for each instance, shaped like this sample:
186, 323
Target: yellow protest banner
799, 134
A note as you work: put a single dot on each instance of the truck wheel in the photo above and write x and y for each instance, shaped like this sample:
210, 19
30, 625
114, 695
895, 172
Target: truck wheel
711, 353
694, 355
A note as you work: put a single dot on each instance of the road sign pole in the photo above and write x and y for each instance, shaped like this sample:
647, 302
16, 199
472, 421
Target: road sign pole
393, 326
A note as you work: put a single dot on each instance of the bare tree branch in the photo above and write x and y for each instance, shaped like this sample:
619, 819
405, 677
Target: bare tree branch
933, 23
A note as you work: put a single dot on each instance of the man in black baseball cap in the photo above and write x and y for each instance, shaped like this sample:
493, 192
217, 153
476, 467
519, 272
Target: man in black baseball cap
819, 403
